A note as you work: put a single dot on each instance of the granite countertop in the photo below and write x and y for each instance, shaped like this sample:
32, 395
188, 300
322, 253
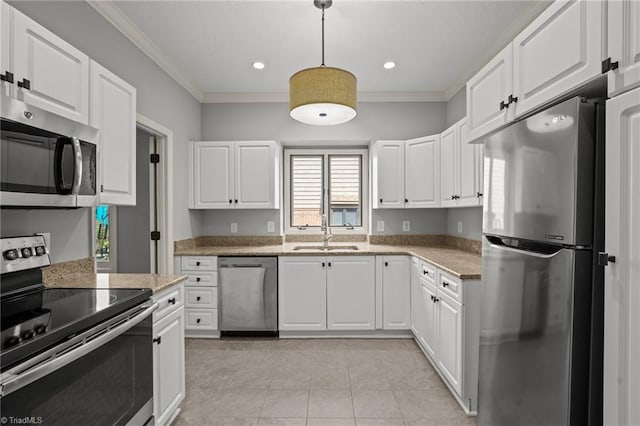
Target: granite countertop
460, 263
155, 282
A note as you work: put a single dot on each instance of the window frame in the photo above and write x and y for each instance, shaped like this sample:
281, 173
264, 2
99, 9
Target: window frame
364, 189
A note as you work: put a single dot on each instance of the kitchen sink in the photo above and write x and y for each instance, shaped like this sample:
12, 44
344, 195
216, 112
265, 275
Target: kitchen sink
323, 248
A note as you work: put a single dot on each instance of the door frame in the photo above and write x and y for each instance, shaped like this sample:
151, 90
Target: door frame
164, 141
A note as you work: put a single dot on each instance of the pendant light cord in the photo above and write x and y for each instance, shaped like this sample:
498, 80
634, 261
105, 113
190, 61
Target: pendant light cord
323, 35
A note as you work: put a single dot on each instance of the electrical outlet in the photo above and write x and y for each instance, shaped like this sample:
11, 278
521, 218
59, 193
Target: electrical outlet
234, 227
380, 226
460, 227
406, 226
271, 226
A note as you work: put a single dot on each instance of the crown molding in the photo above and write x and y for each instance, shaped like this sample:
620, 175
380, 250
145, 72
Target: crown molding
123, 24
275, 97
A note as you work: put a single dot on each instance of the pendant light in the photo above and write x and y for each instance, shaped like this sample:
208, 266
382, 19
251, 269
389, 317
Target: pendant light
322, 95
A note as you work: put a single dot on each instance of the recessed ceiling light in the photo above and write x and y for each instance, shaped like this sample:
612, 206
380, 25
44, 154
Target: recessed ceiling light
258, 65
389, 65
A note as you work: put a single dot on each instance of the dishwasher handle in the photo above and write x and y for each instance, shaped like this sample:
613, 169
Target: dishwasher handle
243, 266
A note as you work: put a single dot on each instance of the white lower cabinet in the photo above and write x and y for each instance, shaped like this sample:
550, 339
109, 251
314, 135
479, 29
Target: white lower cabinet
447, 329
201, 295
168, 355
394, 278
317, 293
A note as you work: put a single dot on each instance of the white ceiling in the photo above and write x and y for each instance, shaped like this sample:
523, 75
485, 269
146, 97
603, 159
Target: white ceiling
209, 46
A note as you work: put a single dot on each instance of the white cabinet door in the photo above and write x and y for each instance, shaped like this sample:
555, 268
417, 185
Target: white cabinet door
396, 292
57, 72
416, 311
448, 142
168, 366
255, 172
351, 293
624, 44
467, 163
486, 90
560, 50
622, 292
450, 339
422, 172
428, 328
5, 46
113, 111
211, 175
302, 293
388, 174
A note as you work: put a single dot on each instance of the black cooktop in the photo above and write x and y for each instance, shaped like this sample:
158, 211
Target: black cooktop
33, 321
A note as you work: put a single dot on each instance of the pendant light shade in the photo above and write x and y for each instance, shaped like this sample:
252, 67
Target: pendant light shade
322, 95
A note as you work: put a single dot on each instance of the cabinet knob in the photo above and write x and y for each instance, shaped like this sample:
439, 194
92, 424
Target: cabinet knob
7, 76
323, 264
608, 65
157, 340
436, 300
198, 279
406, 200
504, 105
197, 298
424, 272
198, 321
386, 263
235, 201
329, 264
445, 284
453, 197
230, 201
380, 199
479, 194
512, 99
604, 259
432, 297
25, 84
172, 301
197, 263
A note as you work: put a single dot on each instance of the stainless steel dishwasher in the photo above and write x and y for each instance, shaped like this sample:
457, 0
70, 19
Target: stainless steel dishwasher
248, 294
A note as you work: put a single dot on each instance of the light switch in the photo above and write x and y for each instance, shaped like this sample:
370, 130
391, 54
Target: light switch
271, 226
234, 227
380, 226
406, 226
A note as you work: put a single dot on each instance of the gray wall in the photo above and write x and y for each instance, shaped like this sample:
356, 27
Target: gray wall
457, 107
422, 221
400, 120
159, 98
471, 218
133, 225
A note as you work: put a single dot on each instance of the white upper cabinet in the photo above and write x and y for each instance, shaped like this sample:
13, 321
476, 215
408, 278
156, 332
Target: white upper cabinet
226, 175
422, 172
5, 49
351, 293
624, 45
388, 174
113, 111
211, 175
460, 162
488, 95
49, 73
558, 51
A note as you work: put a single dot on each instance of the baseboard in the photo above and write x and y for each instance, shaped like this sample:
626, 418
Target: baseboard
337, 334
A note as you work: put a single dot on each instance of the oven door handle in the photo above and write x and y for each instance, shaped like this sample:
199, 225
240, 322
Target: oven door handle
13, 382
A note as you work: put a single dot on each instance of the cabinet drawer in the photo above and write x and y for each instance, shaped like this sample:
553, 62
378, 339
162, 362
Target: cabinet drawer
202, 319
168, 301
199, 263
201, 297
451, 286
428, 272
205, 278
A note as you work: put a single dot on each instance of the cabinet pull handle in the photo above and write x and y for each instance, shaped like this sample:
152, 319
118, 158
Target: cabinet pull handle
503, 105
197, 263
25, 84
7, 76
512, 99
323, 264
197, 279
197, 298
436, 300
157, 340
235, 201
445, 284
608, 65
479, 194
198, 321
386, 263
172, 301
424, 272
406, 200
329, 264
230, 201
381, 200
431, 296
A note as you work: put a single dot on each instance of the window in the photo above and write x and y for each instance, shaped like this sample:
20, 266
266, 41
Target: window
105, 238
325, 181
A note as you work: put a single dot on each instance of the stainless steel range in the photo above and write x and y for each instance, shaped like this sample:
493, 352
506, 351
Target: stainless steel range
71, 355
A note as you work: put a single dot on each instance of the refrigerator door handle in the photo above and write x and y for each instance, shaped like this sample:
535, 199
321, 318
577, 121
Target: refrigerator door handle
498, 243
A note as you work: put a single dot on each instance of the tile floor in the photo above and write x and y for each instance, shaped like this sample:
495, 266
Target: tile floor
318, 382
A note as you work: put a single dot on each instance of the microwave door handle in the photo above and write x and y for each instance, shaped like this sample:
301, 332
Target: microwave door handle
58, 175
77, 165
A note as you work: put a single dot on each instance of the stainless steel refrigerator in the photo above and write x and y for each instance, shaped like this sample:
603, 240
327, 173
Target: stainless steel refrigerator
540, 339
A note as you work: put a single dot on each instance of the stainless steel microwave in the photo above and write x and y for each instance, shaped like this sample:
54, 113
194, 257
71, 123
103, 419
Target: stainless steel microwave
46, 160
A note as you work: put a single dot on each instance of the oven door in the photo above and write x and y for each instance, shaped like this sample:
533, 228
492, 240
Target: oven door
102, 377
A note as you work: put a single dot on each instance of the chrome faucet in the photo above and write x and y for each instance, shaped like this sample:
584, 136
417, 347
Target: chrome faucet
327, 232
